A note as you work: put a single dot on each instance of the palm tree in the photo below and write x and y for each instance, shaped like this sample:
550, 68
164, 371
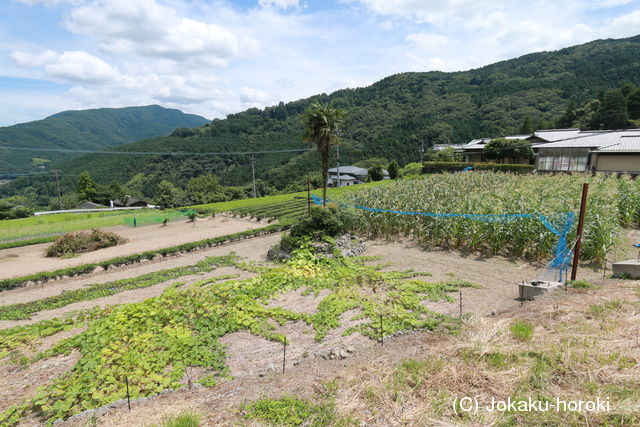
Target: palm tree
321, 129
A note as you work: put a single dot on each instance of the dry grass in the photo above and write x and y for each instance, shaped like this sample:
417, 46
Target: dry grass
573, 355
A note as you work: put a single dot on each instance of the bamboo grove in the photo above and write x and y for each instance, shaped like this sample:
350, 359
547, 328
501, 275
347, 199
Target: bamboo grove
613, 203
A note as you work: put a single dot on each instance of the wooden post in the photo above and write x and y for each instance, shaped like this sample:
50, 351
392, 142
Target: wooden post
583, 208
381, 332
461, 304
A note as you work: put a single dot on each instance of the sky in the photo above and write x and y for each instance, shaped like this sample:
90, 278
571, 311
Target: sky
217, 57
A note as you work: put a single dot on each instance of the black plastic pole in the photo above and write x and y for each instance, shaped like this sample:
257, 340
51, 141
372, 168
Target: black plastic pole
126, 381
284, 354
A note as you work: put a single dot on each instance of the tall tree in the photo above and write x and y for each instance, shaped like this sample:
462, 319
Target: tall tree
393, 170
526, 127
322, 122
613, 111
87, 187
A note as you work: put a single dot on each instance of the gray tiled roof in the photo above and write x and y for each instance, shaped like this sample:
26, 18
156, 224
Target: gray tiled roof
553, 135
597, 140
626, 144
350, 170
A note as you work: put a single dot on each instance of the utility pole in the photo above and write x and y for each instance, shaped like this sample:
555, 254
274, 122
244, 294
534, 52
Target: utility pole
253, 174
58, 187
583, 209
338, 162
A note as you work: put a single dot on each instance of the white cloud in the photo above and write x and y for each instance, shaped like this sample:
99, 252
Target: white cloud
75, 66
428, 40
250, 95
280, 4
49, 3
623, 26
147, 28
437, 12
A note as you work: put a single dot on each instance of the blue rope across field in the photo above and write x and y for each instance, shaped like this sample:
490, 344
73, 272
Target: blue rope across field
563, 253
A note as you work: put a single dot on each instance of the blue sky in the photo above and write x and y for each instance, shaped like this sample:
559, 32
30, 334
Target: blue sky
215, 57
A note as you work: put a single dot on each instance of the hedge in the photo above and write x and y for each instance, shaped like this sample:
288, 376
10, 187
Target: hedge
43, 277
435, 167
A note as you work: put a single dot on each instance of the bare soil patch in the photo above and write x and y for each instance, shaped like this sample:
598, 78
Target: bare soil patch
30, 259
497, 277
253, 249
18, 383
251, 355
371, 368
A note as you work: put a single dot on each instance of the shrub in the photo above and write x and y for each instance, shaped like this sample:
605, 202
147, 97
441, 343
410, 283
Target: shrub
411, 169
74, 243
376, 173
323, 223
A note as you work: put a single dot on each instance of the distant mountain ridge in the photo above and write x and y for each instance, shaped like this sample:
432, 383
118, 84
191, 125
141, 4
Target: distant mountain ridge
392, 119
95, 129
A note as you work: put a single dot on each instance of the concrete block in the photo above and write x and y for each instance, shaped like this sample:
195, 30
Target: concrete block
535, 288
630, 268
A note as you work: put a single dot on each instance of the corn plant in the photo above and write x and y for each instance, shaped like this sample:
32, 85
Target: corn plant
612, 202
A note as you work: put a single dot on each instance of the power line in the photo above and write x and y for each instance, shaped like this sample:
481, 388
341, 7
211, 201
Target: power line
155, 153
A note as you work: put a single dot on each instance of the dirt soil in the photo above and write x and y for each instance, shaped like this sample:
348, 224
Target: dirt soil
371, 366
497, 277
256, 364
17, 262
253, 249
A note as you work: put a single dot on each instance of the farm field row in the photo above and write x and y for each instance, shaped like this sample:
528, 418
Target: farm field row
157, 343
523, 213
55, 224
284, 207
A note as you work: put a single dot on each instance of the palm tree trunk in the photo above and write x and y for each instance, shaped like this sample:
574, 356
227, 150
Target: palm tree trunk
325, 174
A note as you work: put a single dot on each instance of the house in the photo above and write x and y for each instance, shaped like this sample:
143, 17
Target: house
474, 150
574, 150
611, 151
350, 175
130, 203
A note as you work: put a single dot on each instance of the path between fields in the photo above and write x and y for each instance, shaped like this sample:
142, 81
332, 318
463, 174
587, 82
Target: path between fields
497, 277
17, 262
253, 249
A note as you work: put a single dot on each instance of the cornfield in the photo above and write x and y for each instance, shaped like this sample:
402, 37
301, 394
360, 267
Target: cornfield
613, 202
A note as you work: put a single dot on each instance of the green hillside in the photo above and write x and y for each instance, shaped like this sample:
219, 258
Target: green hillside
390, 119
86, 130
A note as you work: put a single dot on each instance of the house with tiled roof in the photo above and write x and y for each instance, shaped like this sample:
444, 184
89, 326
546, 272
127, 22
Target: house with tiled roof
611, 151
575, 150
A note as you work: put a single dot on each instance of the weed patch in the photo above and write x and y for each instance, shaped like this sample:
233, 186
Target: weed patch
522, 330
76, 243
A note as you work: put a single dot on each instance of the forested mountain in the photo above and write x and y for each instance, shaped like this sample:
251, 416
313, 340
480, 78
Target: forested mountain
390, 119
86, 130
